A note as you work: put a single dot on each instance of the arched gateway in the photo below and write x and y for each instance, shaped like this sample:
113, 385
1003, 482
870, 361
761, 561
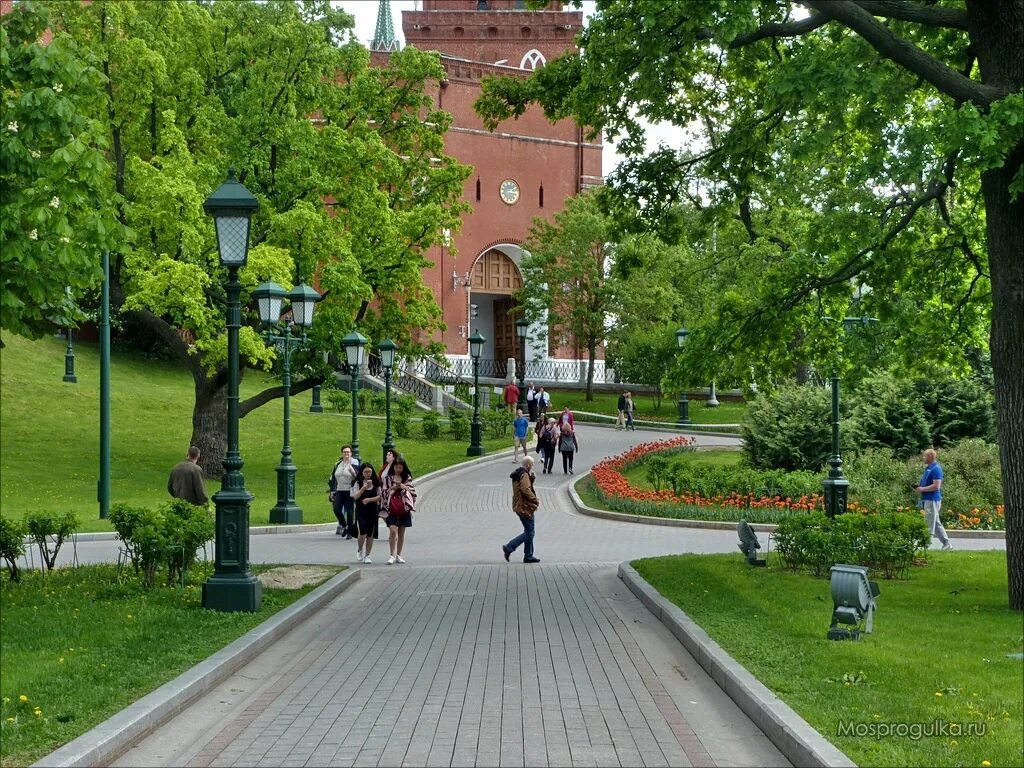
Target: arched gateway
494, 278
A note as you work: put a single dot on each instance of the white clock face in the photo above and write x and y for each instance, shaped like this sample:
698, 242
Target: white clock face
509, 191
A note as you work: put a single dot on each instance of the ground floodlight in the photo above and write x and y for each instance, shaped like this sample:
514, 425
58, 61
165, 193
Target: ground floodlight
749, 544
853, 598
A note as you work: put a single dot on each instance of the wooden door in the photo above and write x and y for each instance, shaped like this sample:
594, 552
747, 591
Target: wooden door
504, 330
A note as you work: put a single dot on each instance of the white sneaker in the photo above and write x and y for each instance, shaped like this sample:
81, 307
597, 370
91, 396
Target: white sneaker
401, 559
391, 560
359, 556
367, 560
947, 546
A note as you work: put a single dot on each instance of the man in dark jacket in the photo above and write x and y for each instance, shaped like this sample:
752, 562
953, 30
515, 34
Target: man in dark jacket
524, 504
186, 480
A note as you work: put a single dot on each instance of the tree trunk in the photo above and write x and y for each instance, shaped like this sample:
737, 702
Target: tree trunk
997, 36
592, 356
210, 423
1005, 225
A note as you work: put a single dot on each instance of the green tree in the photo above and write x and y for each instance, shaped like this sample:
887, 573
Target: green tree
858, 140
346, 160
57, 212
566, 276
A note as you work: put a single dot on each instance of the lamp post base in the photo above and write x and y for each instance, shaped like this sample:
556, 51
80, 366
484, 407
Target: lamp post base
286, 510
475, 446
684, 411
233, 593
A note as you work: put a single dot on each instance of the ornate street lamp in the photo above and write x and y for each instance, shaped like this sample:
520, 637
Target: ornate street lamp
354, 345
684, 399
232, 587
476, 346
69, 359
387, 361
283, 335
522, 326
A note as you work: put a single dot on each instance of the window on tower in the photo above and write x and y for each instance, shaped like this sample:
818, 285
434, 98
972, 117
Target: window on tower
478, 189
532, 60
540, 196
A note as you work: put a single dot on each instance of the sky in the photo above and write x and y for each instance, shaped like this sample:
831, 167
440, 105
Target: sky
365, 13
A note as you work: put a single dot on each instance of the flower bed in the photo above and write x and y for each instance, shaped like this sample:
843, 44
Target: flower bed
615, 491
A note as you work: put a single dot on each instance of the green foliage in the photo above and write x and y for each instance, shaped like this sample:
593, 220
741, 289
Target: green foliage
402, 424
957, 409
49, 530
371, 401
878, 481
339, 400
888, 412
431, 425
402, 404
128, 520
168, 536
188, 527
495, 422
886, 543
789, 429
57, 213
458, 422
12, 544
973, 476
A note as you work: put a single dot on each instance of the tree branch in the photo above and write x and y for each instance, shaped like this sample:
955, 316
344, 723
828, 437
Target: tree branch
272, 393
780, 29
928, 15
906, 54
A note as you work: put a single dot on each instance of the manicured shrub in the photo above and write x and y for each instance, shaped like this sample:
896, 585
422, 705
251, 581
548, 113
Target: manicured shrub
887, 543
788, 430
458, 423
887, 412
972, 476
187, 528
127, 520
879, 481
402, 424
957, 409
339, 400
496, 421
372, 402
49, 530
404, 404
431, 425
12, 544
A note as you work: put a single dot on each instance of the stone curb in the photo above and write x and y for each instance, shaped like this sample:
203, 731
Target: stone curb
261, 530
110, 738
795, 738
721, 525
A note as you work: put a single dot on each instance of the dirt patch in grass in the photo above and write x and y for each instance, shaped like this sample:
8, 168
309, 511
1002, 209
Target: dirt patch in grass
296, 576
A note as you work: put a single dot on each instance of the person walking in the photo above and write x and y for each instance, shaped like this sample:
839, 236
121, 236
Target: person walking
930, 489
567, 446
531, 402
630, 407
566, 417
399, 500
186, 480
543, 403
525, 504
366, 493
520, 426
511, 396
340, 483
620, 421
547, 443
389, 459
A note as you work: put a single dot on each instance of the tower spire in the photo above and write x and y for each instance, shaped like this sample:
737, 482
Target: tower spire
384, 34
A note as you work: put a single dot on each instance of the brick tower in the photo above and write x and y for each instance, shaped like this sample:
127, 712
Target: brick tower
525, 168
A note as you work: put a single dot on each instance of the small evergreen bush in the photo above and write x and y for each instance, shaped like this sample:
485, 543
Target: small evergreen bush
458, 422
12, 544
887, 412
495, 421
788, 430
401, 424
404, 404
957, 409
49, 530
431, 425
187, 528
339, 400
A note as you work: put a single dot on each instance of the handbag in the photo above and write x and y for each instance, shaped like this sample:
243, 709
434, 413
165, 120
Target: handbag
397, 505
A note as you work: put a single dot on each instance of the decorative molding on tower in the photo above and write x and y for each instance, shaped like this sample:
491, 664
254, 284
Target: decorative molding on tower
384, 34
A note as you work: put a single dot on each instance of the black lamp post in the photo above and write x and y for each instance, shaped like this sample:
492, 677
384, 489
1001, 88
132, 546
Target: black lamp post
69, 360
316, 406
232, 587
354, 345
303, 300
684, 399
522, 326
476, 346
387, 361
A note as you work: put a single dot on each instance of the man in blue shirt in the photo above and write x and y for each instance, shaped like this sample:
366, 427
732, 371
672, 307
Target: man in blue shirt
520, 426
930, 489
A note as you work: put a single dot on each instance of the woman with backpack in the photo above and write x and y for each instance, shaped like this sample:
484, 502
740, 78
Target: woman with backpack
546, 444
399, 501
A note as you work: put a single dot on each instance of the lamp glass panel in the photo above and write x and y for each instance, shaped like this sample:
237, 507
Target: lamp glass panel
475, 347
302, 311
233, 239
270, 308
521, 327
387, 356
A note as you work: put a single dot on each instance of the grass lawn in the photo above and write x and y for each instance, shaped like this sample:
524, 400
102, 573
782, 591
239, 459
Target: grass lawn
941, 650
606, 402
80, 647
49, 435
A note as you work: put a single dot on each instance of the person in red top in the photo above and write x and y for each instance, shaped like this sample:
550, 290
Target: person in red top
566, 418
511, 396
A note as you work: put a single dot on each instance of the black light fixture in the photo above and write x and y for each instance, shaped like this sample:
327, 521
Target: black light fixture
684, 398
387, 350
749, 544
522, 331
354, 344
476, 347
854, 599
